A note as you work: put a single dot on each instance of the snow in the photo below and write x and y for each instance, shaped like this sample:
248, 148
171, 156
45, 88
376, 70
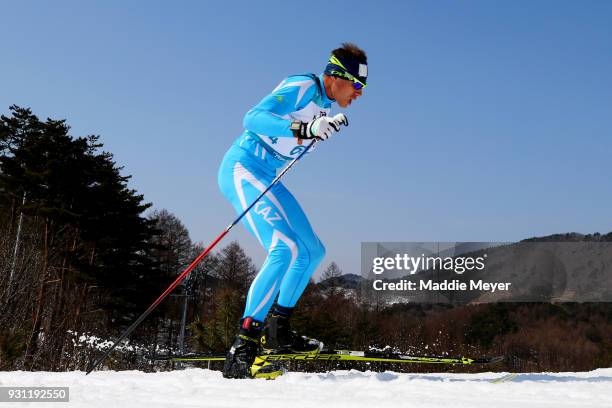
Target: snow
99, 343
196, 387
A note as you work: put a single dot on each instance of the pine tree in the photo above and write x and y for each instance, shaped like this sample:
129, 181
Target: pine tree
235, 269
331, 278
82, 226
233, 272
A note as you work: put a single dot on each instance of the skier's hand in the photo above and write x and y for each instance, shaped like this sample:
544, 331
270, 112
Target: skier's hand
341, 119
322, 128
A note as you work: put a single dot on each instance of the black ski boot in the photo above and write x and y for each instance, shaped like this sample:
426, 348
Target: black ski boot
278, 337
242, 360
245, 348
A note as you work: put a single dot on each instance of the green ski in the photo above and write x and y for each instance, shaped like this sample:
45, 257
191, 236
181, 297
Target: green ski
345, 355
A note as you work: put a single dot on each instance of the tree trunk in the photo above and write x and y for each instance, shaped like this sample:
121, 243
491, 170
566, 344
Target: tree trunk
32, 347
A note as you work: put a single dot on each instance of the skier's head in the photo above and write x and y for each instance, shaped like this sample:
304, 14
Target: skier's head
346, 74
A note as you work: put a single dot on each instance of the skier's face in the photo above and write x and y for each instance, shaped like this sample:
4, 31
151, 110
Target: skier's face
343, 91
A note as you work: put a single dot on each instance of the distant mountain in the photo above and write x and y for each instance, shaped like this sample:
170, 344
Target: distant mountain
572, 237
348, 281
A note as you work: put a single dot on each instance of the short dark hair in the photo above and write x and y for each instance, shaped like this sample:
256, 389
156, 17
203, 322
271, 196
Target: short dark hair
350, 51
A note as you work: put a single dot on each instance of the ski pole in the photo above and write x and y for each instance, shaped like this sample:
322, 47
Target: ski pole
193, 264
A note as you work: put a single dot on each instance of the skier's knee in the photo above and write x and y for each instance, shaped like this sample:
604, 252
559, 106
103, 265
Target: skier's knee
317, 253
281, 256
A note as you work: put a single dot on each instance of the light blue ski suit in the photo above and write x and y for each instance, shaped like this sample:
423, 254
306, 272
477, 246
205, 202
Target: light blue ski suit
277, 220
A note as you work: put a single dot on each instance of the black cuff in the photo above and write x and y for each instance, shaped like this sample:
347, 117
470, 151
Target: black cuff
282, 310
299, 129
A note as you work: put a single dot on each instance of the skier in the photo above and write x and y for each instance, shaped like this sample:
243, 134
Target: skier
278, 129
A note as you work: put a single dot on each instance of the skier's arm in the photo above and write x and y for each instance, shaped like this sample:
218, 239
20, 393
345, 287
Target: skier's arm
267, 116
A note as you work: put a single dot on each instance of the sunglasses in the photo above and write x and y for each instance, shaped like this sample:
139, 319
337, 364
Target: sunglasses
357, 84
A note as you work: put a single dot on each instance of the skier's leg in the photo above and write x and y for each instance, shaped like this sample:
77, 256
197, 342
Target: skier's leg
298, 276
275, 221
242, 181
278, 335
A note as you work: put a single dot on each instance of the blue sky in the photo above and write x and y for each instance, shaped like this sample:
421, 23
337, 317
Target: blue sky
482, 120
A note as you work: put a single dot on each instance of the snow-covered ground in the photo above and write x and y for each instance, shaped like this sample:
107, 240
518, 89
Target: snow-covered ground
205, 388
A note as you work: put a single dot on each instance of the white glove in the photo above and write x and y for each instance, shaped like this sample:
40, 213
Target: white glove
341, 119
323, 127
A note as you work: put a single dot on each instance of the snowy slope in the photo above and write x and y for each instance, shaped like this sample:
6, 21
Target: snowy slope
205, 388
